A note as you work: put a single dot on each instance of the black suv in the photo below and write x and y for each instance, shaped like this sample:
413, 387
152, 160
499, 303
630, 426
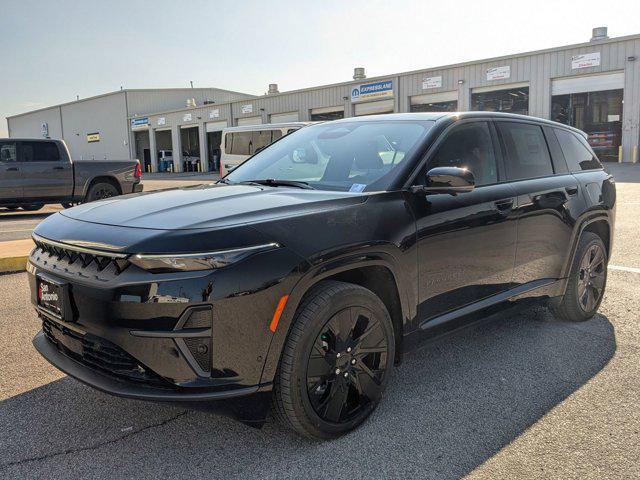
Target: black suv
299, 279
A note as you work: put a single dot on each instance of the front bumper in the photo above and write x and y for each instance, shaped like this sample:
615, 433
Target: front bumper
165, 337
125, 389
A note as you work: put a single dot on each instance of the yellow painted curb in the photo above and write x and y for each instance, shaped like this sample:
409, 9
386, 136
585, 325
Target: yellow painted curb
13, 264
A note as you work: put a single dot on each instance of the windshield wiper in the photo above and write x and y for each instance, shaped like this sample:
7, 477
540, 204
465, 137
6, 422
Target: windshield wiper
272, 182
224, 180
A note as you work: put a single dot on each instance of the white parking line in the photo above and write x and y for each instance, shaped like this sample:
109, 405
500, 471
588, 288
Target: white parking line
624, 269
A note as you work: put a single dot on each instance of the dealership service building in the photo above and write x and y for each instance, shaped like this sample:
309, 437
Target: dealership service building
594, 86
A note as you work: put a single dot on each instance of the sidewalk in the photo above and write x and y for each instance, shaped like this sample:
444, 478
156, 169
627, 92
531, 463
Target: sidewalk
14, 254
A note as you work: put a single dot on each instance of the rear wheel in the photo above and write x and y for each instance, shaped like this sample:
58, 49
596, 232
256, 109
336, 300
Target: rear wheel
101, 191
587, 280
336, 362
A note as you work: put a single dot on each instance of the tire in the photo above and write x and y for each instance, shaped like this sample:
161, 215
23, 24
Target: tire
100, 191
587, 281
326, 385
32, 208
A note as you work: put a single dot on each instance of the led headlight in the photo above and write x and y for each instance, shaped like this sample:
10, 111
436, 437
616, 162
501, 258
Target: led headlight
185, 262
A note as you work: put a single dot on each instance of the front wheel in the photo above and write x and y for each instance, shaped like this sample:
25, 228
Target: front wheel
586, 282
32, 208
336, 361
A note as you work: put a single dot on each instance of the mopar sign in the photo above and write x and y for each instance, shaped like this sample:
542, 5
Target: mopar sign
372, 91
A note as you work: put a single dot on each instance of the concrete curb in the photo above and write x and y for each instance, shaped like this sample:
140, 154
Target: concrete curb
13, 264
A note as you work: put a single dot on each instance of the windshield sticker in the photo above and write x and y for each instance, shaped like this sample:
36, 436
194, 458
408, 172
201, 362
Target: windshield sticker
357, 187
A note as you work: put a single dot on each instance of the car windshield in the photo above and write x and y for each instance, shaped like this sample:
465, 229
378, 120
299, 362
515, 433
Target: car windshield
346, 156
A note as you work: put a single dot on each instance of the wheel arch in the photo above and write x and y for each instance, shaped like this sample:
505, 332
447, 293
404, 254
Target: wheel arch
599, 223
376, 272
102, 179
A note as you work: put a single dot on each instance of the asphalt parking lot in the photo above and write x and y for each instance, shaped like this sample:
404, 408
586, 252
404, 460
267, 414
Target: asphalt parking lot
519, 395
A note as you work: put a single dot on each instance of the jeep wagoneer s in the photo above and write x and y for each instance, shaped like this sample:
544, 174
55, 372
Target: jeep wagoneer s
300, 279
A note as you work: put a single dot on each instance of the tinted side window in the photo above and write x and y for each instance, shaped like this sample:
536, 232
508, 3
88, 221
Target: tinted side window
527, 155
469, 146
8, 152
39, 152
575, 152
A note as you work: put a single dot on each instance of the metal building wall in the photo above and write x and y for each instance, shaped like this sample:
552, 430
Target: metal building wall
30, 125
142, 102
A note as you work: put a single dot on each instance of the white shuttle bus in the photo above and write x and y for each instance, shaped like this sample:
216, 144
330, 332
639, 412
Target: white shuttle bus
239, 143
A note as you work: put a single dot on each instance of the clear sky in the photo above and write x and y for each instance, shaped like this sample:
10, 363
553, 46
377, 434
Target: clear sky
51, 51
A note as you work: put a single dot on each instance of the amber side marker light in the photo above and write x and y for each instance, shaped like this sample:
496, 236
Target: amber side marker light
276, 315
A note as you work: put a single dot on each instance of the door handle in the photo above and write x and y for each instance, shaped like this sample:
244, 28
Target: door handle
58, 168
504, 205
12, 169
571, 191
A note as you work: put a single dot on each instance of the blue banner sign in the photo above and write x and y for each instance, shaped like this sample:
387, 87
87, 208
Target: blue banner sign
139, 122
372, 91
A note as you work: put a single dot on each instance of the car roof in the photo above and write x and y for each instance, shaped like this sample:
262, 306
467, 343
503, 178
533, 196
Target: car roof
453, 116
29, 139
267, 126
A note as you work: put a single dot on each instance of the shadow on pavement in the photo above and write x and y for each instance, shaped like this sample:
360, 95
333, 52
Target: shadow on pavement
451, 406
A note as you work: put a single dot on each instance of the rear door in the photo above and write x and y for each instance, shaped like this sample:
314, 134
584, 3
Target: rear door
546, 193
10, 174
46, 173
467, 242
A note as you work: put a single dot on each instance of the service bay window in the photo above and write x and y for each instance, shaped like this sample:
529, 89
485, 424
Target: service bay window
513, 100
599, 114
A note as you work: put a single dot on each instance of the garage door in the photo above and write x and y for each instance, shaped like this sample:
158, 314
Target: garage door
216, 126
374, 108
284, 117
241, 122
589, 83
434, 98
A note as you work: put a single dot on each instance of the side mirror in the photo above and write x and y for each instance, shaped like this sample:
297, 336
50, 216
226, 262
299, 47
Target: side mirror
451, 180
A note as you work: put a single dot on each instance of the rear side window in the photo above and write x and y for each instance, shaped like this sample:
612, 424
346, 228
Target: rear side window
577, 155
8, 152
527, 154
259, 140
39, 152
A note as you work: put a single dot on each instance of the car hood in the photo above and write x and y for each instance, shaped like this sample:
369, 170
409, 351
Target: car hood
209, 206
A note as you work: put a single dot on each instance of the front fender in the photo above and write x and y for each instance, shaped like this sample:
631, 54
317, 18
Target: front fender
386, 256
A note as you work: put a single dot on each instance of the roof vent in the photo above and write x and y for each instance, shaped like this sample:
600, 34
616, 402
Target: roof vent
358, 73
191, 102
599, 33
273, 88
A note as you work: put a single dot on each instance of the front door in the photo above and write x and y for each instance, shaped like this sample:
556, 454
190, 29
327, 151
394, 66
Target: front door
47, 176
467, 242
10, 174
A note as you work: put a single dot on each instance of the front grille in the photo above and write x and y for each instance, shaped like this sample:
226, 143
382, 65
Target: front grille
83, 259
98, 354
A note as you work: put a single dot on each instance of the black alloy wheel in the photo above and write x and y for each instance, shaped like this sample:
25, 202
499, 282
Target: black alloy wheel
347, 365
586, 282
336, 361
592, 277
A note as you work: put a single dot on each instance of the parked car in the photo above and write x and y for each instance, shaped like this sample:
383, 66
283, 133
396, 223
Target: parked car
305, 275
34, 172
240, 143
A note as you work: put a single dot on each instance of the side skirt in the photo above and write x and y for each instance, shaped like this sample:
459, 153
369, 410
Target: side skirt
545, 287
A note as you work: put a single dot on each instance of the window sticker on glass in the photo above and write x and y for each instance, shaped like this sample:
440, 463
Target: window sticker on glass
357, 187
